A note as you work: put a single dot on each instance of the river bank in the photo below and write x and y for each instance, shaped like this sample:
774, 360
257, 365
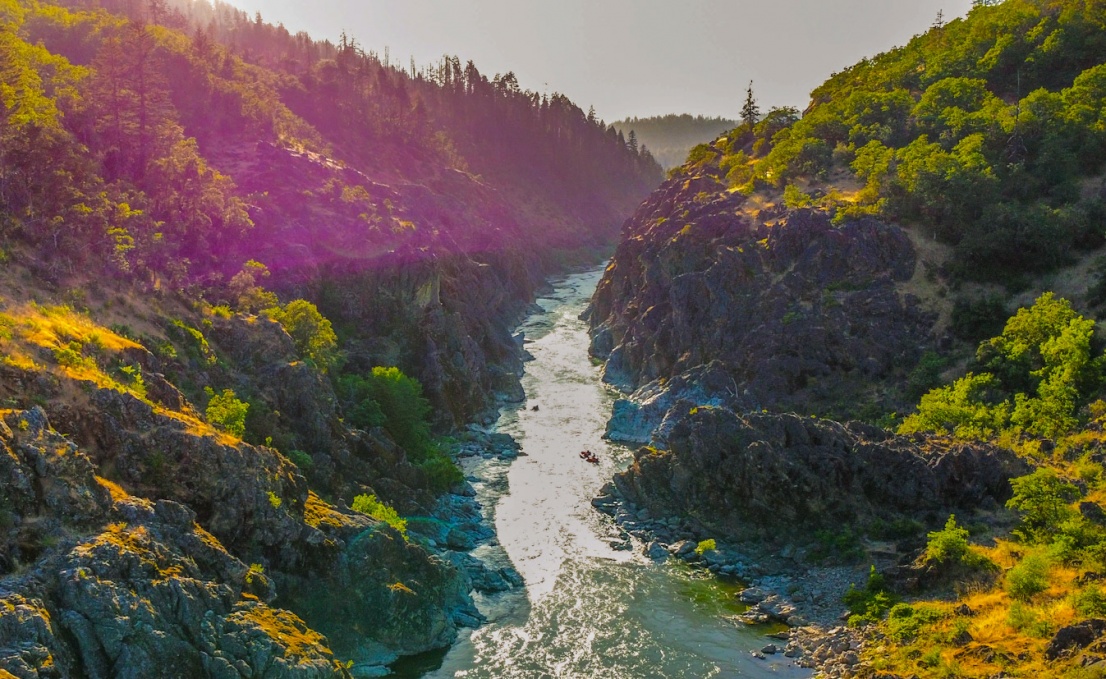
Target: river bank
588, 608
781, 589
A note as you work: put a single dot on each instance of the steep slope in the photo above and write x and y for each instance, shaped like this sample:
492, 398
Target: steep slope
177, 202
175, 151
983, 135
787, 311
846, 262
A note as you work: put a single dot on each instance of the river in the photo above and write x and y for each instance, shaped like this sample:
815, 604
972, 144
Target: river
587, 610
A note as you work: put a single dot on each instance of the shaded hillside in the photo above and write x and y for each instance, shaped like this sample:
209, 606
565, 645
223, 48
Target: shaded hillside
172, 157
669, 138
253, 279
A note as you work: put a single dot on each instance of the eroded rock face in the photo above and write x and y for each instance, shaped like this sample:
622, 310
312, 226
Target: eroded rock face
798, 313
123, 587
748, 476
135, 582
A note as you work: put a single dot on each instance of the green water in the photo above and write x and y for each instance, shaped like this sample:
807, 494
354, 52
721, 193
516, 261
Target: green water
587, 610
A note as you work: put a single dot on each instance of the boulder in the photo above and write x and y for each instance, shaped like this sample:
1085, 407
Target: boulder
1075, 637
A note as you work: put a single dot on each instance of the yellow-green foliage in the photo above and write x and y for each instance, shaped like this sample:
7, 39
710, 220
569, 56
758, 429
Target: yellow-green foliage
793, 197
1039, 372
928, 130
246, 289
1029, 577
708, 545
227, 412
311, 332
1040, 377
370, 506
949, 545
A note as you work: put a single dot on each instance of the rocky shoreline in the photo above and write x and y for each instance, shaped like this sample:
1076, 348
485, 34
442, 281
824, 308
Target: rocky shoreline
781, 589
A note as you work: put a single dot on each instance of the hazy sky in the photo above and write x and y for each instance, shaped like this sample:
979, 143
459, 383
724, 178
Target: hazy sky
630, 57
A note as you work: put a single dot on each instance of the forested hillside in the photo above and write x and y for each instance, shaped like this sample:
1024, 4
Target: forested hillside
248, 280
983, 138
669, 138
987, 131
921, 249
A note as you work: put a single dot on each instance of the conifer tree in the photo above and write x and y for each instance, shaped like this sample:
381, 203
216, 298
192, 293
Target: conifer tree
750, 112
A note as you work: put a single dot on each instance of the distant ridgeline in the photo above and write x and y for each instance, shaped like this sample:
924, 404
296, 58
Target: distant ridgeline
669, 138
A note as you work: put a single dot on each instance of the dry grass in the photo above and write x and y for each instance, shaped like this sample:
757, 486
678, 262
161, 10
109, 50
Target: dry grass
996, 646
117, 492
925, 284
69, 345
287, 628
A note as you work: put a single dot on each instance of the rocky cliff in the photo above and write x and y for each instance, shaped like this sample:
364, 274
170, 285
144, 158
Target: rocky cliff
774, 308
373, 592
99, 583
431, 276
762, 475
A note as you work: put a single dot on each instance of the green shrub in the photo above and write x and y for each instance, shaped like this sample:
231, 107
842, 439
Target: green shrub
441, 473
132, 375
196, 344
963, 409
949, 545
844, 545
1044, 500
906, 621
245, 288
227, 412
794, 198
926, 375
868, 605
701, 154
301, 460
360, 408
275, 500
312, 333
708, 545
72, 356
370, 506
386, 397
1028, 577
398, 399
1090, 602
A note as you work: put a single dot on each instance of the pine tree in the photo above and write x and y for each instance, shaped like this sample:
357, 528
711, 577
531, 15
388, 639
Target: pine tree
750, 112
631, 142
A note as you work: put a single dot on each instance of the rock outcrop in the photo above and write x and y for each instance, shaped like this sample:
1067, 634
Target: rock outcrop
758, 475
789, 310
118, 586
371, 592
